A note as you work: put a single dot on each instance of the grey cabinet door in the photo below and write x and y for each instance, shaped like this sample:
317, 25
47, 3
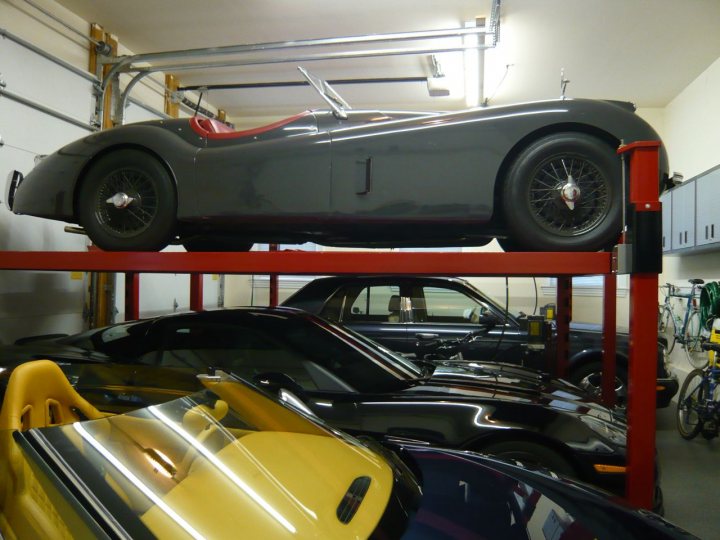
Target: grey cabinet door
683, 216
666, 200
707, 217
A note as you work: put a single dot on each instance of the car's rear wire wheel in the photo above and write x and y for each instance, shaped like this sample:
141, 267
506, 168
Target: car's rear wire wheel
562, 193
127, 202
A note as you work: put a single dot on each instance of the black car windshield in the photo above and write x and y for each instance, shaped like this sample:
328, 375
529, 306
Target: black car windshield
119, 341
224, 459
357, 361
316, 354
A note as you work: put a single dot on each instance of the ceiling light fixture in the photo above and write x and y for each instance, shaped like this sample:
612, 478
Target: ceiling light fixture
437, 84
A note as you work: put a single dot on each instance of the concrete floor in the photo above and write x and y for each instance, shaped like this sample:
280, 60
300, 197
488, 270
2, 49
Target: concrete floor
690, 477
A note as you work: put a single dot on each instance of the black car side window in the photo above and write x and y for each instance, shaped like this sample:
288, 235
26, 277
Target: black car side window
378, 303
441, 305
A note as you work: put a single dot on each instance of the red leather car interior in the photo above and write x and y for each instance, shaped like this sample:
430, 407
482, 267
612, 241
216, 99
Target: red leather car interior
214, 129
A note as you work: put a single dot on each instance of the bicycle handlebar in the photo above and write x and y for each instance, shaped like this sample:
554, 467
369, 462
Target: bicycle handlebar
675, 291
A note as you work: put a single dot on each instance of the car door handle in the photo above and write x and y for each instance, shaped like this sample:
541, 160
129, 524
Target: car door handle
425, 335
368, 176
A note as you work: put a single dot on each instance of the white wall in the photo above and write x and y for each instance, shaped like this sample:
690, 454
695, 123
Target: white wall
692, 136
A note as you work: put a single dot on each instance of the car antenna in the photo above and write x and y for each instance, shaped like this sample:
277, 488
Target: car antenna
202, 89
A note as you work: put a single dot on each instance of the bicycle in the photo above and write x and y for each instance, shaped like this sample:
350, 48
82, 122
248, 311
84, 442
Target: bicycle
698, 406
686, 330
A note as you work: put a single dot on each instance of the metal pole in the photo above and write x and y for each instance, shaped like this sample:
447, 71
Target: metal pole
125, 63
196, 292
132, 296
273, 299
564, 316
63, 23
609, 340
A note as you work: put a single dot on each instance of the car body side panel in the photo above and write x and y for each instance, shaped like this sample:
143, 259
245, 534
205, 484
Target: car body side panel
445, 166
422, 170
272, 179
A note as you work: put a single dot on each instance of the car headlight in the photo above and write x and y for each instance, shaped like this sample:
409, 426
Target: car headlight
605, 429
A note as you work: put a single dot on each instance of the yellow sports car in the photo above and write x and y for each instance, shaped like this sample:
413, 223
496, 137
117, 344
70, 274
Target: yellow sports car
231, 462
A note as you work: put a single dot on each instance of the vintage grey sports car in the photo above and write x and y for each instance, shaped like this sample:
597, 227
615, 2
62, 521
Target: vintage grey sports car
539, 176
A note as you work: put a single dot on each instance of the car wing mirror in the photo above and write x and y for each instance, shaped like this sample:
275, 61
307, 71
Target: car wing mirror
285, 388
275, 380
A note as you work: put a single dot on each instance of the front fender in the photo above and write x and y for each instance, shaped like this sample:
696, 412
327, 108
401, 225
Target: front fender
50, 189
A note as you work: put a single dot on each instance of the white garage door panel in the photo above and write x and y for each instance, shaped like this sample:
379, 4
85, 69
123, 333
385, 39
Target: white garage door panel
35, 132
39, 79
18, 152
136, 113
161, 294
33, 303
42, 324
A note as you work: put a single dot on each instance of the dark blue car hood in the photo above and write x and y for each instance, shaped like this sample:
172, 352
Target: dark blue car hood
471, 496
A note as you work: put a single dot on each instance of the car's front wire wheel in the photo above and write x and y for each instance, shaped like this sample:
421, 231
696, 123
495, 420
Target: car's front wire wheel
127, 202
563, 193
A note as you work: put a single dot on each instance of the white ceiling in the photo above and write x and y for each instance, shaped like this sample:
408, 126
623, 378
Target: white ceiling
645, 51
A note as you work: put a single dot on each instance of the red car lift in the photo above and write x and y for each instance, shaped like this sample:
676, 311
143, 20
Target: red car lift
644, 215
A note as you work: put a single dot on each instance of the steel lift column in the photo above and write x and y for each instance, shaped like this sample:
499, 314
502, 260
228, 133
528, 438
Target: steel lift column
642, 256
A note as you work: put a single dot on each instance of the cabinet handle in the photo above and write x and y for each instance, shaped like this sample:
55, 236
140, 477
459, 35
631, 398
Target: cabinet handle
686, 237
712, 231
706, 232
680, 238
663, 242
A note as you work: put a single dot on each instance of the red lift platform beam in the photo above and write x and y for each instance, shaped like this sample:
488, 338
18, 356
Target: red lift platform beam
643, 291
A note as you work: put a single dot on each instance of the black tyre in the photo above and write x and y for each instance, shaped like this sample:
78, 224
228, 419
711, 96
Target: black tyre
589, 378
127, 202
692, 395
208, 243
563, 193
666, 328
531, 453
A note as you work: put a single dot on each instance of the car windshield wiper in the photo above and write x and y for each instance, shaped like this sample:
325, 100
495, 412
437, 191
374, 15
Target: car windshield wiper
328, 93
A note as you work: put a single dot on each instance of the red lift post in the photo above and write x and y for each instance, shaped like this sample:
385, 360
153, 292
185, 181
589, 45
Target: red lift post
643, 198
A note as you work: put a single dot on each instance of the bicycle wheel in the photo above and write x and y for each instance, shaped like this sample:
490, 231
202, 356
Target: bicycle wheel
693, 342
691, 397
666, 327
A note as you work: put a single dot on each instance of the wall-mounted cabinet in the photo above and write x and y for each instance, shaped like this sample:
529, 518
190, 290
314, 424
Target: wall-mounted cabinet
666, 201
707, 217
683, 217
691, 215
